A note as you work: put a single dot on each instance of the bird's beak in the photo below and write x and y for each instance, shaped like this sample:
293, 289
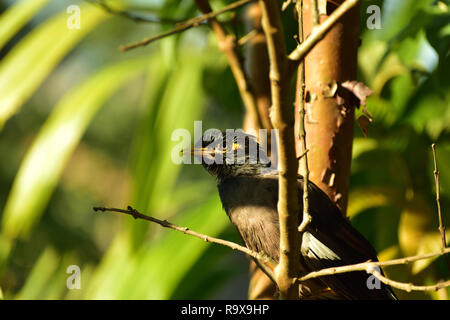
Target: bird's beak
200, 151
193, 150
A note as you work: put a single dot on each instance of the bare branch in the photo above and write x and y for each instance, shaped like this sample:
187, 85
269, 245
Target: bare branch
266, 263
182, 26
438, 201
242, 41
286, 4
290, 239
315, 13
370, 265
228, 45
408, 286
319, 33
301, 128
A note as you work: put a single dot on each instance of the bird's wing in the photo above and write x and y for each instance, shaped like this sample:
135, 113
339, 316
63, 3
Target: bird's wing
331, 241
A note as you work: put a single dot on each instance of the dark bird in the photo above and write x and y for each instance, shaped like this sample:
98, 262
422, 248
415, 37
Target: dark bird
248, 189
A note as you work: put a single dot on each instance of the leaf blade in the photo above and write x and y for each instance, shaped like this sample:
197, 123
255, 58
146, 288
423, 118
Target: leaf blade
16, 17
45, 160
32, 60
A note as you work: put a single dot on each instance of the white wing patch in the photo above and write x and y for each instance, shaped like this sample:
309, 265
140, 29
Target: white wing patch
314, 249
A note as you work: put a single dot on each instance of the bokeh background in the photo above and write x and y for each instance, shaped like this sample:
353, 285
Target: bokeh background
83, 124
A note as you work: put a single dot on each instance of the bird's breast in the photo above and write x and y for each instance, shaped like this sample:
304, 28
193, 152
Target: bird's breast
251, 207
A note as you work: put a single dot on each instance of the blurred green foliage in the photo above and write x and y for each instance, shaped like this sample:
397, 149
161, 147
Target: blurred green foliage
82, 124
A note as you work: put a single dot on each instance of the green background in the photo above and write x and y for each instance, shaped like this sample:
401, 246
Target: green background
83, 124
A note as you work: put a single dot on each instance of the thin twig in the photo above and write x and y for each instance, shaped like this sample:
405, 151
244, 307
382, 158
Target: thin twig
408, 287
302, 154
249, 36
368, 265
182, 26
315, 13
286, 4
301, 124
261, 257
319, 33
228, 45
438, 202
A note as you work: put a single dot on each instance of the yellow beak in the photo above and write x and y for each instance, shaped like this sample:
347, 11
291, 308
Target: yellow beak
200, 151
193, 150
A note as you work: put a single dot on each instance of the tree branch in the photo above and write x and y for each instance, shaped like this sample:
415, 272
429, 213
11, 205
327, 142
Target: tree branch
264, 261
365, 266
282, 120
319, 33
438, 202
408, 287
301, 127
228, 45
246, 38
256, 65
185, 25
315, 13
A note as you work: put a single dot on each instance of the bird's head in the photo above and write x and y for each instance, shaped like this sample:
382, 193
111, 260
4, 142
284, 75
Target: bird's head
230, 153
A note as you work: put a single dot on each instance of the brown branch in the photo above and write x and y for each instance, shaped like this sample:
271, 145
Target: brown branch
370, 265
182, 26
264, 261
228, 45
286, 4
249, 36
257, 66
408, 287
282, 120
319, 33
438, 202
315, 13
301, 128
257, 69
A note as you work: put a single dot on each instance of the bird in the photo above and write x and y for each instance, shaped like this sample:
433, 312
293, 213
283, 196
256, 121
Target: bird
248, 189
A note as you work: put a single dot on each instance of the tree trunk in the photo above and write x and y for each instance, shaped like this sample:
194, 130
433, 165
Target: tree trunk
329, 120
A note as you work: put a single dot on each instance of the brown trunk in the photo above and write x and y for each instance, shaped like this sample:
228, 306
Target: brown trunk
329, 119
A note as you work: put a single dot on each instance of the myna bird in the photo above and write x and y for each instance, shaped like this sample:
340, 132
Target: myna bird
248, 189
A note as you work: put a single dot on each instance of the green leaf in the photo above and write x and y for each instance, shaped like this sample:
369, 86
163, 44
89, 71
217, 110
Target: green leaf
397, 15
431, 243
435, 22
155, 270
176, 102
362, 199
31, 61
16, 17
42, 272
429, 108
415, 223
44, 162
136, 267
442, 155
